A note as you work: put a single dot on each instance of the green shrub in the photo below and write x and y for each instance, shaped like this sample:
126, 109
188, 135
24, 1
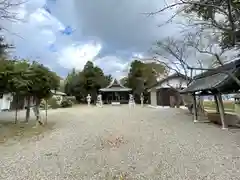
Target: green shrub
66, 103
52, 102
43, 104
72, 99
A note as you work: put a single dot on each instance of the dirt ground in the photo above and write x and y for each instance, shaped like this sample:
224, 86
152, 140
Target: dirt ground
121, 143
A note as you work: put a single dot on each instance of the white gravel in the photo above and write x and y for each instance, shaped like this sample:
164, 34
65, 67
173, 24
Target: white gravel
109, 142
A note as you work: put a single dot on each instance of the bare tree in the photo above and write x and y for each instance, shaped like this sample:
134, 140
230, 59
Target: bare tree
8, 7
9, 11
175, 55
222, 15
209, 46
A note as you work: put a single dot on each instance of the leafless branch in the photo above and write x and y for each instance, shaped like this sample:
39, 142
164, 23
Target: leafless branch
225, 10
8, 12
184, 3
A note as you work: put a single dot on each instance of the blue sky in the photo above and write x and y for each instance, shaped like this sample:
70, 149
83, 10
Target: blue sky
108, 32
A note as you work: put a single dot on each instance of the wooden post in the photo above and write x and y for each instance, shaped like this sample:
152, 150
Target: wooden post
217, 104
195, 114
221, 110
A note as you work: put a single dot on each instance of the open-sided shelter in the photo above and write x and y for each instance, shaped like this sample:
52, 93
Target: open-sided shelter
218, 81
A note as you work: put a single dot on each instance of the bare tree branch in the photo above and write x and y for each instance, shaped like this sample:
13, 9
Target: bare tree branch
8, 13
226, 25
184, 3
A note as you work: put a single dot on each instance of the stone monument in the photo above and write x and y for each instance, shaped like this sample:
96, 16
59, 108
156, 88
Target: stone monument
131, 102
99, 101
89, 99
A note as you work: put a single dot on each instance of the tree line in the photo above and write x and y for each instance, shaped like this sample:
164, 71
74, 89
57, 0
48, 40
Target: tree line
88, 81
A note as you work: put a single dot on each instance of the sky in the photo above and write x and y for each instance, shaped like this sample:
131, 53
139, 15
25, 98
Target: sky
66, 34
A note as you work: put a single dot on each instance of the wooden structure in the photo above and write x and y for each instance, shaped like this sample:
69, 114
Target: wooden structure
166, 91
115, 93
215, 82
9, 101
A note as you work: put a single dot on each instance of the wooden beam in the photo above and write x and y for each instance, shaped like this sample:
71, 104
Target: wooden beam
221, 110
217, 104
195, 114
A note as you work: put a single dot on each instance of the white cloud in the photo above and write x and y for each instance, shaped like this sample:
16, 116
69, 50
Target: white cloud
40, 29
138, 55
42, 19
77, 56
32, 5
112, 65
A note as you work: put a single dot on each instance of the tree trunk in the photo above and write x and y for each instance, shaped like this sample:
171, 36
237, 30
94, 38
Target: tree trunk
28, 109
46, 110
16, 111
231, 22
37, 113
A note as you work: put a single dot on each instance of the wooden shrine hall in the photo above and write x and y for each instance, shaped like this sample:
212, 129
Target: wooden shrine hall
115, 93
217, 81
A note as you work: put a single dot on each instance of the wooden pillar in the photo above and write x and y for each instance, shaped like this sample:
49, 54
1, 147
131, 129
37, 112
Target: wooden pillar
221, 110
195, 113
217, 104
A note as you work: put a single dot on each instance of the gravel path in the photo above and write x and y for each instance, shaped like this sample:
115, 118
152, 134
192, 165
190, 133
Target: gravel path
116, 143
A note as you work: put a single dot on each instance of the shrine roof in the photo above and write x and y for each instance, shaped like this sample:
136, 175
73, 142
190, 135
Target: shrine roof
115, 85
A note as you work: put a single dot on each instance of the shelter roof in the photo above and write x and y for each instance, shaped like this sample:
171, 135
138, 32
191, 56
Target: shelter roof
236, 96
216, 80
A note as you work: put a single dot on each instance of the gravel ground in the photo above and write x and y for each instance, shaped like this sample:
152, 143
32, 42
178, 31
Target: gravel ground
118, 143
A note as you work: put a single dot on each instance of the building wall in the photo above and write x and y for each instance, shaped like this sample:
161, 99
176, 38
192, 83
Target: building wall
153, 98
165, 94
175, 83
157, 92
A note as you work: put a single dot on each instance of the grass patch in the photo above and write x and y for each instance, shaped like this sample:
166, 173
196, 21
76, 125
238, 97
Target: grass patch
22, 130
228, 105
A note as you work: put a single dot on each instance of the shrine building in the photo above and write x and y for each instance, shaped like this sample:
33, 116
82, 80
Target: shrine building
115, 93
